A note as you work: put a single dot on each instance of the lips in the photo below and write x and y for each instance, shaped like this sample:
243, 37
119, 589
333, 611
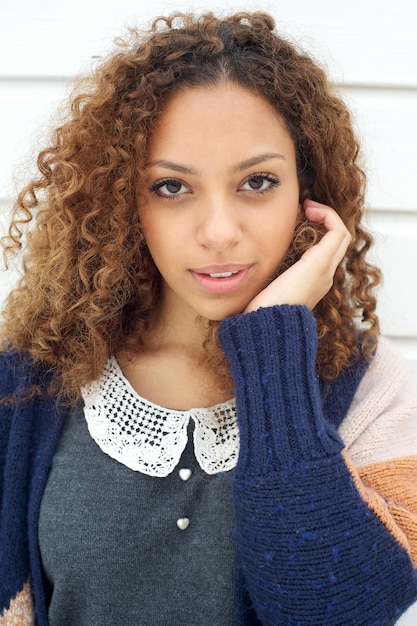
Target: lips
220, 279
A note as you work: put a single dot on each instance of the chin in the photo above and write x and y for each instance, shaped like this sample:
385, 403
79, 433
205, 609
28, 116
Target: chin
222, 314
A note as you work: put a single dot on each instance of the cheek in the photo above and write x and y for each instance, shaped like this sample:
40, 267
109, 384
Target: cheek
151, 225
162, 241
279, 237
151, 233
282, 231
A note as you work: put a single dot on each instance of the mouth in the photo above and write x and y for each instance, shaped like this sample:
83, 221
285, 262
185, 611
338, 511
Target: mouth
220, 279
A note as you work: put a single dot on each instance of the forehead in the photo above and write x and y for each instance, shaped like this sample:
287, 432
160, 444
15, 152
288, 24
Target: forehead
226, 115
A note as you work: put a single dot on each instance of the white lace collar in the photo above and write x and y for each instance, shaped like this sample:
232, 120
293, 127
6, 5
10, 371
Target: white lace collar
150, 439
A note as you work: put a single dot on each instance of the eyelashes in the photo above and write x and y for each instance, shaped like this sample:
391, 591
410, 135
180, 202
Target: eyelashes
173, 188
261, 183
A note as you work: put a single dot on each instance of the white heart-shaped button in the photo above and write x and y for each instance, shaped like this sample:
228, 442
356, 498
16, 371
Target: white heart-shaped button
185, 473
183, 523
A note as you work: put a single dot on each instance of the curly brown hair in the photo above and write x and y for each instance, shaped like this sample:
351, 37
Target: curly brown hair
89, 285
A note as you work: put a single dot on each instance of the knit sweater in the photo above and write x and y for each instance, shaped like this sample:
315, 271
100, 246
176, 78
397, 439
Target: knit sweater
324, 492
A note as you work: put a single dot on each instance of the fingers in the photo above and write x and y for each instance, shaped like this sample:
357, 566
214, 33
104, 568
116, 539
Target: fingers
337, 238
325, 215
309, 279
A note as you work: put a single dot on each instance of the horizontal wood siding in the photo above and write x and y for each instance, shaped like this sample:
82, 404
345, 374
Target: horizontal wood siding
369, 48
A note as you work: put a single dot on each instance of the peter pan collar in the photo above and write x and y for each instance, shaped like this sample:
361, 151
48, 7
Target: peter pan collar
149, 438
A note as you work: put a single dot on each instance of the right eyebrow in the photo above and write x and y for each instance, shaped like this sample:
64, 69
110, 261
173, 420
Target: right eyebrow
170, 165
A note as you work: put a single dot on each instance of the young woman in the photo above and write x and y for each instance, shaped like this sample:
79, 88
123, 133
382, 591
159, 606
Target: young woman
200, 424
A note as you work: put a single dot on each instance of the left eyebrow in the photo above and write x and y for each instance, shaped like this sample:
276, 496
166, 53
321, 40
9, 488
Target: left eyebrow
256, 160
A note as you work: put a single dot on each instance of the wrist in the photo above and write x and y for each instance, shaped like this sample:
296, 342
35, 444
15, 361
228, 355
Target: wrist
272, 353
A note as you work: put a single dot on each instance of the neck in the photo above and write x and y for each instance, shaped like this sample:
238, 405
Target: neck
181, 329
180, 365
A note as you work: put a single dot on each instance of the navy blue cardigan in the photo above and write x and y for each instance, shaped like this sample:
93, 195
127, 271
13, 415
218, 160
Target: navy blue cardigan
310, 551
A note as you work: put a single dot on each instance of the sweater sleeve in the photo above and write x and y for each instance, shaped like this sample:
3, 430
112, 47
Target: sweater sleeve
316, 545
15, 596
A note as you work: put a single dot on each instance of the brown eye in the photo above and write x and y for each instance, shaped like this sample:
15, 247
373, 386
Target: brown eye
173, 186
170, 188
256, 182
260, 183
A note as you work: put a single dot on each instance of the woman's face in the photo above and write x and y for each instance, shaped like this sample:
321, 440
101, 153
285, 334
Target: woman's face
223, 199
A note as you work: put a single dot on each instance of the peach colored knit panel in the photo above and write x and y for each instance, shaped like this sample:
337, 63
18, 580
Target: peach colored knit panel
20, 612
390, 491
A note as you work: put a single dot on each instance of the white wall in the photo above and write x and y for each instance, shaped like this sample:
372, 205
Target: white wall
369, 47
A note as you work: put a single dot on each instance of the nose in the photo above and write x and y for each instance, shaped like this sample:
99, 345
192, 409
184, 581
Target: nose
219, 224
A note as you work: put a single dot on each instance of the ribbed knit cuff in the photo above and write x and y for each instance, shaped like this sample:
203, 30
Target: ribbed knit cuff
272, 353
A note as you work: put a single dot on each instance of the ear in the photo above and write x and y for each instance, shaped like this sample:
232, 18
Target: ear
304, 194
301, 217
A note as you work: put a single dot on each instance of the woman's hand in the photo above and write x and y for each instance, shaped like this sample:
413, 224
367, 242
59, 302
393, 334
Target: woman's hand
309, 279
